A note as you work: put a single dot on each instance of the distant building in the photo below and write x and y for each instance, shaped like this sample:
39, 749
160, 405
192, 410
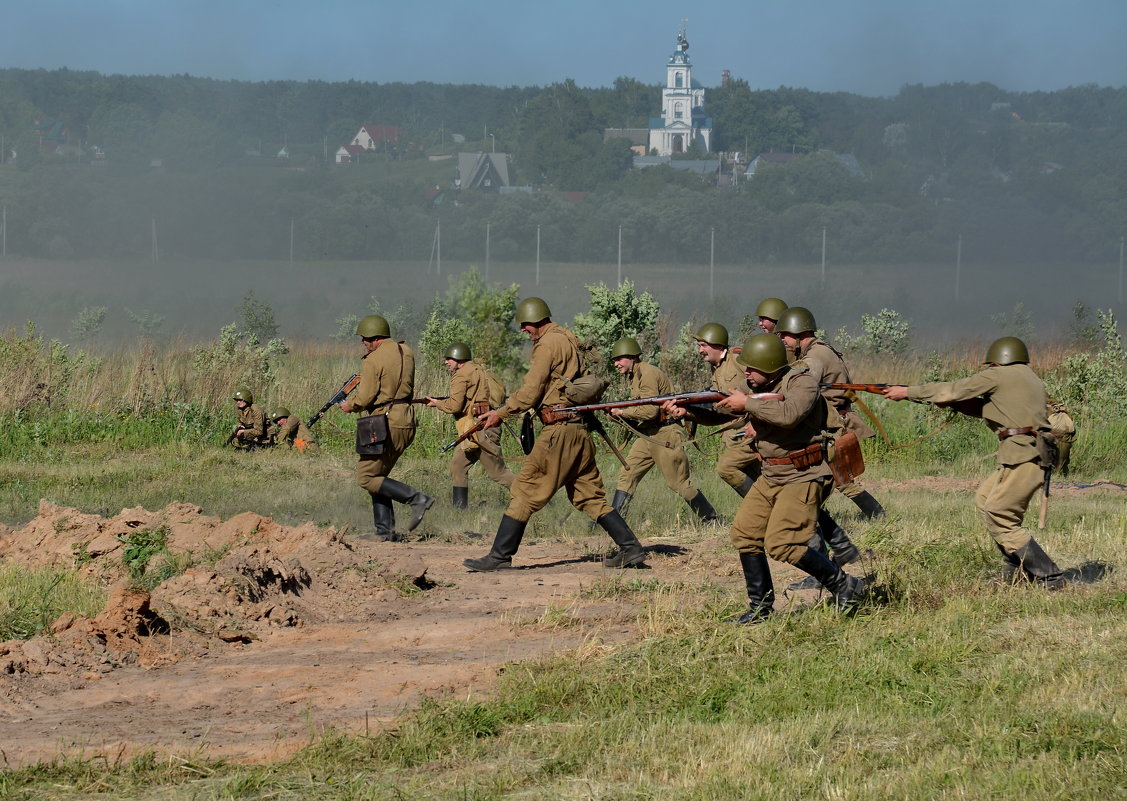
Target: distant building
639, 138
488, 172
682, 121
371, 137
767, 158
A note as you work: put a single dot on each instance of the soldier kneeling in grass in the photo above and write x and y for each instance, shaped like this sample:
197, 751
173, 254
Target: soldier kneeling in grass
289, 428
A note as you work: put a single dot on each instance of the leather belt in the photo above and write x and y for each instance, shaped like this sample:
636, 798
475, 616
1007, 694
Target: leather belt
1006, 433
801, 459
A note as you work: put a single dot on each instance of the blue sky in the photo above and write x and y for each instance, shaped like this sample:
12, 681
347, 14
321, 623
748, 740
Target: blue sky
870, 47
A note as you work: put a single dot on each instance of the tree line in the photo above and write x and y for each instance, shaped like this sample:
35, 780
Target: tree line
1018, 176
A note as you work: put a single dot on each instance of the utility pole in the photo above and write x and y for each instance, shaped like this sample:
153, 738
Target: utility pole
958, 266
711, 261
4, 228
487, 253
620, 256
1120, 267
537, 254
291, 240
156, 249
438, 241
823, 255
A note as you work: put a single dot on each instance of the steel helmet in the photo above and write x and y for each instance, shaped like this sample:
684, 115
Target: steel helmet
771, 308
459, 351
1007, 350
713, 334
243, 394
765, 353
373, 326
532, 310
279, 411
627, 346
796, 320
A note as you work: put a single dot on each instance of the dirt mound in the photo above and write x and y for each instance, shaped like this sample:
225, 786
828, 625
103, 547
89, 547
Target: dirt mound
229, 581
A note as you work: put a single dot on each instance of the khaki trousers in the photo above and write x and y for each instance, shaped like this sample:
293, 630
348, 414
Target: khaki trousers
672, 462
1002, 499
489, 457
779, 519
562, 457
738, 461
372, 470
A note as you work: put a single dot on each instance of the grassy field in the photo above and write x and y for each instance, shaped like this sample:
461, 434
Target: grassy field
946, 686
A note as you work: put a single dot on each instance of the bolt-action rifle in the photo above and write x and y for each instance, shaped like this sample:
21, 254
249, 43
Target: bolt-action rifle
679, 398
971, 407
478, 426
345, 390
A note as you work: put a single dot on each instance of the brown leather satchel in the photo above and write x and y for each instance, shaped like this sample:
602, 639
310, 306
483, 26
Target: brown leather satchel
371, 435
846, 460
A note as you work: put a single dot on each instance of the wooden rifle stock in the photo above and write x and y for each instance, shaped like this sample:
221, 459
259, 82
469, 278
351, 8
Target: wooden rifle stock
876, 389
478, 426
345, 390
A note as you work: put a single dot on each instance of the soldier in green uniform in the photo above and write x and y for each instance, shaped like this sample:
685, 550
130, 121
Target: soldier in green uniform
768, 313
387, 384
563, 455
290, 429
472, 389
779, 513
738, 465
1063, 428
662, 440
1014, 407
250, 430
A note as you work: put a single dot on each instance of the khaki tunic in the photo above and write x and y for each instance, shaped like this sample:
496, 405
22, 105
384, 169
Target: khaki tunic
386, 374
563, 455
1014, 398
646, 381
778, 515
293, 431
252, 419
738, 461
469, 384
823, 359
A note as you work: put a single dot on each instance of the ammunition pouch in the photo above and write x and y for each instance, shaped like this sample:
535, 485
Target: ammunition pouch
371, 435
550, 415
480, 408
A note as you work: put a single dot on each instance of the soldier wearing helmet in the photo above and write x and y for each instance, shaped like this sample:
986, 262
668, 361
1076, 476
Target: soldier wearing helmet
563, 455
779, 513
738, 465
387, 384
768, 312
1014, 407
290, 429
250, 430
473, 389
796, 327
662, 440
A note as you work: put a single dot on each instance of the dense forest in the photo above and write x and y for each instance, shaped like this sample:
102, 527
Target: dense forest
1014, 176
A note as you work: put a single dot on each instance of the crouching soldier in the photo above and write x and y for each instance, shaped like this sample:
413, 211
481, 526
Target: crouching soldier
289, 428
250, 429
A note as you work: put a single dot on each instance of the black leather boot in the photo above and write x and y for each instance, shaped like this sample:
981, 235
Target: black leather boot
841, 547
383, 515
744, 488
630, 551
703, 509
815, 543
460, 496
847, 591
418, 501
621, 501
760, 590
1038, 566
509, 534
870, 507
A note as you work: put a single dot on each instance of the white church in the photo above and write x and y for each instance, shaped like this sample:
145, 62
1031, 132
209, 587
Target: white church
682, 121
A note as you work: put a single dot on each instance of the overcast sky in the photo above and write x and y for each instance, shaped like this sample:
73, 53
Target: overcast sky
870, 47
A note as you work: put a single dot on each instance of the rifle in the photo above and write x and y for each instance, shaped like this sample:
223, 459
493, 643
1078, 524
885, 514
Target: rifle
234, 433
424, 400
345, 390
478, 426
972, 407
680, 398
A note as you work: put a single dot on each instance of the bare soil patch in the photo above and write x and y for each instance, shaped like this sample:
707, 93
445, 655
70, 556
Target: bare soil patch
290, 632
